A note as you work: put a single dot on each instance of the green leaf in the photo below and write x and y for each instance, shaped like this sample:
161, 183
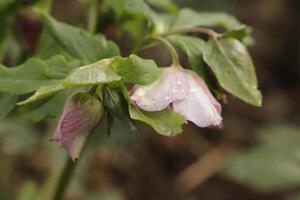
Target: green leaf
188, 18
59, 67
136, 70
47, 107
48, 47
165, 122
34, 74
25, 78
78, 42
7, 103
93, 74
96, 73
272, 163
230, 61
194, 48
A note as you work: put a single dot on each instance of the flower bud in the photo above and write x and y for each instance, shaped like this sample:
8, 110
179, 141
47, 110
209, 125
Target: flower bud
81, 114
115, 103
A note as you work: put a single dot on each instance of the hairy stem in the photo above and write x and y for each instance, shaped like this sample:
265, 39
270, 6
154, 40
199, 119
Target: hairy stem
161, 37
172, 50
92, 17
64, 179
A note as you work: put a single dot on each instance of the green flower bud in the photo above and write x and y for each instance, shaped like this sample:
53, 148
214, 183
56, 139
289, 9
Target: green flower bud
115, 103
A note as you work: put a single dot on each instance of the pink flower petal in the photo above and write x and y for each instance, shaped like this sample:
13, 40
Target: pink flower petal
199, 106
171, 86
69, 105
82, 112
202, 84
75, 127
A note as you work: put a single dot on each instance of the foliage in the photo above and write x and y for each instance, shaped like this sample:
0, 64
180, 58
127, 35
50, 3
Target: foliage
69, 58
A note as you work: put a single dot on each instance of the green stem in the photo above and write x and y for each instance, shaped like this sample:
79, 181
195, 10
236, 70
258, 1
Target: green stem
64, 179
172, 50
93, 17
209, 32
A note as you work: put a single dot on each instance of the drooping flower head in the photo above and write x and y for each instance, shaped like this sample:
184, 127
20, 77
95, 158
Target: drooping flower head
182, 91
82, 112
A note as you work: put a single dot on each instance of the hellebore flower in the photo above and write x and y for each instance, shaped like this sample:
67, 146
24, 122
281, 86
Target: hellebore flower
82, 112
184, 92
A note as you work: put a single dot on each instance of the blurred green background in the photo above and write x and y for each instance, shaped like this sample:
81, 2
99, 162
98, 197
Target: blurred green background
256, 156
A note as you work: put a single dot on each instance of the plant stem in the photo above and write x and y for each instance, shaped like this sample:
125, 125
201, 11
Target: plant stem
64, 179
93, 17
161, 37
209, 32
172, 50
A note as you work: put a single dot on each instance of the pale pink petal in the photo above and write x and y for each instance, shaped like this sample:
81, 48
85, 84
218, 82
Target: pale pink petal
202, 84
199, 106
171, 86
82, 112
75, 127
69, 105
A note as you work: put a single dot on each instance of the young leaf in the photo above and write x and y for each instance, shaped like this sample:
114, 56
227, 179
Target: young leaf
165, 122
188, 18
78, 42
233, 67
136, 70
7, 103
96, 73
